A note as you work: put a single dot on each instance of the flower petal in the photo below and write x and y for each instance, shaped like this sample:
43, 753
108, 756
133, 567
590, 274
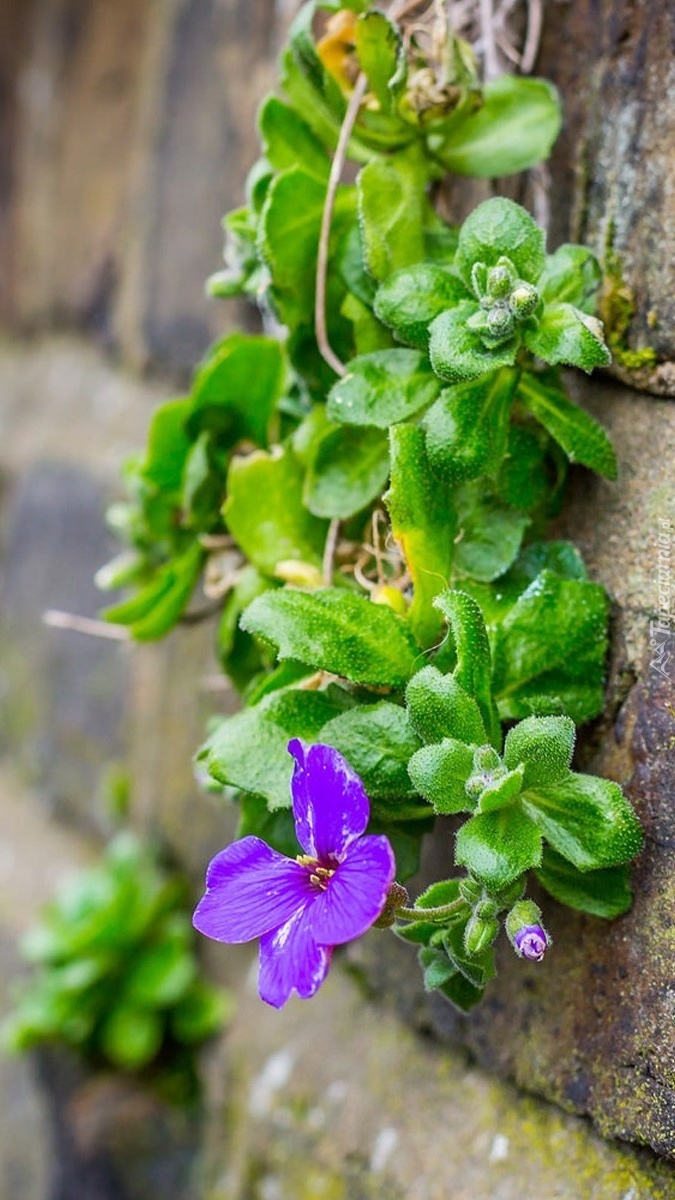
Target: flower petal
330, 805
250, 889
290, 959
356, 893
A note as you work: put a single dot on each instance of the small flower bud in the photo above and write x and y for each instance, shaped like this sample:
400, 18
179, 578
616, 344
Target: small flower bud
485, 758
525, 931
523, 300
470, 890
500, 282
479, 934
500, 321
397, 897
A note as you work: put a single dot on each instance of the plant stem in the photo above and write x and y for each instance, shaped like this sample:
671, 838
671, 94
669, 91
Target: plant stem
441, 913
325, 348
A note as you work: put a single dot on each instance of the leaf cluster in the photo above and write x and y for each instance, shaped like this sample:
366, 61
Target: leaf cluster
373, 539
116, 974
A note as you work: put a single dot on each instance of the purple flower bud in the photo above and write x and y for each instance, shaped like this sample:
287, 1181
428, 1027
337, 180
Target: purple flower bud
531, 942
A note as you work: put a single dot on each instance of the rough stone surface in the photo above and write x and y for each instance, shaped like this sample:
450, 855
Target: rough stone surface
612, 170
594, 1020
338, 1100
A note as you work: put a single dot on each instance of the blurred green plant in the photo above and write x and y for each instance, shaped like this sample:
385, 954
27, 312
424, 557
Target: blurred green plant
116, 976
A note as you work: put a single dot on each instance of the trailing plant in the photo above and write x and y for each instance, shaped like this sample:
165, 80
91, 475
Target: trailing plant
363, 493
117, 978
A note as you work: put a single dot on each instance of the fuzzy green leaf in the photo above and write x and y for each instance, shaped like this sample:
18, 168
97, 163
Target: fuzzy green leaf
348, 470
544, 745
337, 631
266, 514
439, 707
498, 847
474, 665
249, 750
392, 209
288, 141
499, 228
565, 334
550, 649
458, 354
467, 428
572, 275
377, 740
421, 521
157, 607
514, 129
382, 388
581, 437
502, 791
410, 299
168, 445
489, 533
603, 893
439, 773
237, 387
586, 819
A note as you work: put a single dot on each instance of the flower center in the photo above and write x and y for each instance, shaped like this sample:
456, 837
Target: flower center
319, 876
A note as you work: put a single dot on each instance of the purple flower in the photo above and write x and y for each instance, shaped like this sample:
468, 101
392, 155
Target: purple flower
301, 908
531, 942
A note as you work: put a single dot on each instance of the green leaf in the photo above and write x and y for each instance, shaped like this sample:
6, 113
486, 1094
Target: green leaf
439, 773
514, 129
502, 792
462, 994
500, 228
410, 299
276, 827
467, 428
382, 388
544, 745
369, 333
437, 969
337, 631
168, 445
552, 643
249, 750
474, 667
498, 847
496, 599
421, 521
489, 533
581, 437
200, 1014
266, 514
565, 334
572, 275
348, 470
458, 354
288, 141
377, 740
380, 50
161, 975
532, 474
131, 1037
603, 893
392, 209
155, 610
444, 891
237, 387
439, 707
289, 240
586, 819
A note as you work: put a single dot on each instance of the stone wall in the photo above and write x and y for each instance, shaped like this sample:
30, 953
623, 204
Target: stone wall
121, 141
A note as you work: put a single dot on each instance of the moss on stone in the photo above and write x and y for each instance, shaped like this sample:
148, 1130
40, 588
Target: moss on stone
617, 309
